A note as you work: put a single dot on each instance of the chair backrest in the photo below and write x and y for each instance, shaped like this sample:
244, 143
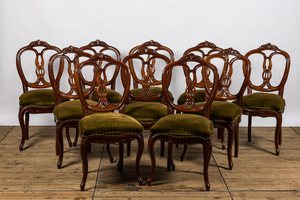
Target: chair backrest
194, 68
101, 64
159, 49
269, 54
143, 60
42, 51
233, 65
203, 49
62, 68
98, 46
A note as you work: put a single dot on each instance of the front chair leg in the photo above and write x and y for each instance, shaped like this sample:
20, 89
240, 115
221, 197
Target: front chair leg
83, 152
111, 158
207, 151
183, 152
121, 152
140, 142
76, 136
151, 143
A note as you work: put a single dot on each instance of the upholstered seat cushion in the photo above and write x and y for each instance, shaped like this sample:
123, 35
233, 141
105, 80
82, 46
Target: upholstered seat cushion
109, 123
154, 90
184, 125
199, 97
113, 96
263, 101
40, 97
223, 111
146, 111
70, 110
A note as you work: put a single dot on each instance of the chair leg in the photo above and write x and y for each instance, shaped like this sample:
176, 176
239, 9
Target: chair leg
111, 158
162, 148
24, 127
59, 139
140, 150
128, 148
121, 153
76, 136
221, 132
207, 151
280, 133
151, 143
83, 152
277, 134
249, 127
236, 140
183, 152
68, 137
231, 133
169, 159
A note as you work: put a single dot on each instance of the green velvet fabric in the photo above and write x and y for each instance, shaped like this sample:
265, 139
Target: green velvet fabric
184, 125
223, 111
146, 111
109, 123
154, 90
70, 110
113, 96
263, 101
199, 97
40, 97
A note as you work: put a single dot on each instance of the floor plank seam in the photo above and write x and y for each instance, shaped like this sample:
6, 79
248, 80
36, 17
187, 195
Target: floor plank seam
7, 133
98, 172
295, 131
222, 177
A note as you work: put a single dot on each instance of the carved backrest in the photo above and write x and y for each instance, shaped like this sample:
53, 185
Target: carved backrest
36, 55
195, 69
159, 49
101, 64
269, 54
203, 49
62, 68
232, 65
145, 59
98, 46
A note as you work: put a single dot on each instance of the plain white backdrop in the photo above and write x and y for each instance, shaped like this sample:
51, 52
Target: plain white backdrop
178, 24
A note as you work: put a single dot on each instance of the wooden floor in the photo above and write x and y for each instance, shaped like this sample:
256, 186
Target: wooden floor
257, 173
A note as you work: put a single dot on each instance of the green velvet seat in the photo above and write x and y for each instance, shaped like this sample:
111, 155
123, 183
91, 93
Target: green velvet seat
184, 125
263, 101
109, 124
40, 97
146, 111
223, 111
113, 96
154, 90
70, 110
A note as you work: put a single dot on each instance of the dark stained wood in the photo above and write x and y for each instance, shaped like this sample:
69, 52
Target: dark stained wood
268, 52
39, 49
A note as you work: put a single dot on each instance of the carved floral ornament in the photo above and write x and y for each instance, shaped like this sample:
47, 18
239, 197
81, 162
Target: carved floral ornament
151, 43
97, 43
206, 44
39, 43
269, 46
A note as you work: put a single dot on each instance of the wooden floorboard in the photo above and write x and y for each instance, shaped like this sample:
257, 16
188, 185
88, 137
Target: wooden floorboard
257, 173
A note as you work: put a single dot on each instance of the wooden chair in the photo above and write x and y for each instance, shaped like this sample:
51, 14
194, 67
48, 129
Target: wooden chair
265, 102
186, 128
67, 114
38, 96
106, 127
146, 102
93, 48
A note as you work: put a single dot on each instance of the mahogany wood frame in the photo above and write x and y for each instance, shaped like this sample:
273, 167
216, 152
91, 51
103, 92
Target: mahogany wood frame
188, 106
266, 86
40, 82
103, 105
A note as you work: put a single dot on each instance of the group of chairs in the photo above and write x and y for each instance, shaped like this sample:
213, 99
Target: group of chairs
80, 90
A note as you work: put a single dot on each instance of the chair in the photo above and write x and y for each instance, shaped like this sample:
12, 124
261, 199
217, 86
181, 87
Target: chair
106, 127
38, 96
146, 101
67, 114
265, 102
113, 96
186, 128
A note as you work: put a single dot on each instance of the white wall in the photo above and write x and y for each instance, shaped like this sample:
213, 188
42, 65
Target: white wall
178, 24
